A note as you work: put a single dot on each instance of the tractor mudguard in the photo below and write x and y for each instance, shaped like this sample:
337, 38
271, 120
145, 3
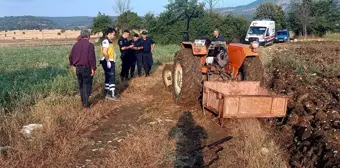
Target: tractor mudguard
237, 54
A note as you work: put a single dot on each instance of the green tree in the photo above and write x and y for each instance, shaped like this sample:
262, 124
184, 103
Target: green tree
149, 21
271, 11
100, 23
313, 17
186, 9
325, 16
129, 20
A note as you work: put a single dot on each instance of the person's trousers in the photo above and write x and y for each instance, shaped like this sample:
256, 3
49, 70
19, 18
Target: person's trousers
110, 76
85, 84
139, 58
132, 63
125, 67
148, 62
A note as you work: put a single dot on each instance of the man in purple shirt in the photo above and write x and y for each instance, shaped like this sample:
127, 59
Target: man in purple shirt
83, 60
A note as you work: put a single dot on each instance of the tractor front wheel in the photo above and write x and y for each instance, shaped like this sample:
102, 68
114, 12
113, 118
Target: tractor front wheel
167, 77
187, 78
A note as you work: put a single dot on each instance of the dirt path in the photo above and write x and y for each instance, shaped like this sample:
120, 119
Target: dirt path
146, 104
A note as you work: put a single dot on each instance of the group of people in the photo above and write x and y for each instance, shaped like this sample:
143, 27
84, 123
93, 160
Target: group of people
83, 60
138, 50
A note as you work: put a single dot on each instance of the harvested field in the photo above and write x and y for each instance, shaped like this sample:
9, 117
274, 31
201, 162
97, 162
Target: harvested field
14, 35
309, 73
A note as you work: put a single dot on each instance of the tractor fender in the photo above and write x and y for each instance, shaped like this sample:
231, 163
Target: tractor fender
237, 54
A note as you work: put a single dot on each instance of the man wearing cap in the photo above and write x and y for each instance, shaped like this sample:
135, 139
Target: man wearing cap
138, 54
108, 63
83, 60
125, 50
148, 48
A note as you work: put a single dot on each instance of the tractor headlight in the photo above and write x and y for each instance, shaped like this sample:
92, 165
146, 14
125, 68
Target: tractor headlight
199, 42
255, 44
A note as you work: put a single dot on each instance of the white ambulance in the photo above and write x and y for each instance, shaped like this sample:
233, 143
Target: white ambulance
262, 31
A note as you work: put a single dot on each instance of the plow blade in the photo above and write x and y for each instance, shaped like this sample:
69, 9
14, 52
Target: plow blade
242, 100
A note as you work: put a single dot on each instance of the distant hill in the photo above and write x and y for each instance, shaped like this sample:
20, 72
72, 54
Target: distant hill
74, 22
33, 22
26, 22
247, 11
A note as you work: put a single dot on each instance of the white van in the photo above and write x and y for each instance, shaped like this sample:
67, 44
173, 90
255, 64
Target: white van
262, 31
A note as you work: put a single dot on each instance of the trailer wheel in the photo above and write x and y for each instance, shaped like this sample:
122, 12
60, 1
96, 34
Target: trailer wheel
167, 77
187, 78
251, 70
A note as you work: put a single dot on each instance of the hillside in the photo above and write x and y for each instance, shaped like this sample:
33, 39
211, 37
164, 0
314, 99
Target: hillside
26, 22
248, 10
33, 22
74, 22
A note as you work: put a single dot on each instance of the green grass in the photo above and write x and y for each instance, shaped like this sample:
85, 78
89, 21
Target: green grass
333, 36
28, 74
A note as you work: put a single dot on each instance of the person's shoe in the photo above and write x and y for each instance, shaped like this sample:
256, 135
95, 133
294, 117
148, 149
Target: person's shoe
114, 98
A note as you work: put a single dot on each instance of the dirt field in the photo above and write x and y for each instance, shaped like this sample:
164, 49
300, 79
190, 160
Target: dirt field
309, 73
40, 35
147, 129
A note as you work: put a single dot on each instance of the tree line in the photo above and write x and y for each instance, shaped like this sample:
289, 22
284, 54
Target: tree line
303, 17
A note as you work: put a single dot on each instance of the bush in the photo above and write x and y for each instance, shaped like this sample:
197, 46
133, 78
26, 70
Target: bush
58, 33
13, 38
23, 33
6, 31
63, 31
15, 33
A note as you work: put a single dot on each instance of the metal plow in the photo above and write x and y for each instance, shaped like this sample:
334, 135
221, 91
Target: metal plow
244, 99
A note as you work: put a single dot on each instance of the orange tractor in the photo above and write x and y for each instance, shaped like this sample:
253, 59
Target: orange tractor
225, 77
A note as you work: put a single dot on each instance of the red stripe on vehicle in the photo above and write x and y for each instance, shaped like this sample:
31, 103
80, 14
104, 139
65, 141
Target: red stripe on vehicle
270, 37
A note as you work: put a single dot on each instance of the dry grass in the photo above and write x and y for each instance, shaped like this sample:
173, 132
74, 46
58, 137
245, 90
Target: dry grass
252, 147
59, 141
37, 34
149, 148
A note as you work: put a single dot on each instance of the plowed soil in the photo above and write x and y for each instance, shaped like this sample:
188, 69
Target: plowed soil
309, 73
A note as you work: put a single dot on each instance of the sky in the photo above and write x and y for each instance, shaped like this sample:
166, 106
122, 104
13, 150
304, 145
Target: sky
87, 7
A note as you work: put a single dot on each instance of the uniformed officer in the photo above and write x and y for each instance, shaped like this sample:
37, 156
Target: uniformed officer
125, 50
148, 47
138, 53
108, 63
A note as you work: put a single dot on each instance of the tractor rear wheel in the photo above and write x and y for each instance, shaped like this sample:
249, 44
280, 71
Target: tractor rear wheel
187, 78
252, 69
167, 76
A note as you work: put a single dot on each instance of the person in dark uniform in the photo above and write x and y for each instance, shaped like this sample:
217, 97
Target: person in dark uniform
83, 60
132, 58
125, 50
138, 53
148, 47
